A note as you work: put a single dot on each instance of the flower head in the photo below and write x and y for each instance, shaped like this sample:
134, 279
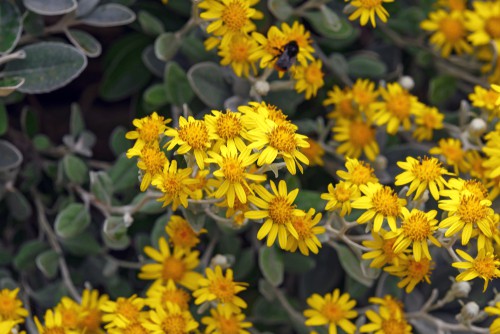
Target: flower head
385, 322
52, 324
123, 311
180, 233
223, 320
486, 99
485, 266
11, 307
356, 136
227, 128
308, 78
237, 54
412, 272
343, 103
382, 250
158, 295
307, 231
451, 150
427, 119
484, 23
368, 10
91, 304
339, 197
170, 320
314, 152
358, 172
148, 130
151, 162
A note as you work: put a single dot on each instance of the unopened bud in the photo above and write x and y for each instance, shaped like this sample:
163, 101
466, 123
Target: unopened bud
128, 219
220, 260
477, 127
380, 163
460, 289
468, 313
407, 82
262, 87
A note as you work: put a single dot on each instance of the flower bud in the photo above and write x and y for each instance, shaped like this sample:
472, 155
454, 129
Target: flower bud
380, 163
220, 260
262, 87
468, 313
460, 289
477, 127
407, 82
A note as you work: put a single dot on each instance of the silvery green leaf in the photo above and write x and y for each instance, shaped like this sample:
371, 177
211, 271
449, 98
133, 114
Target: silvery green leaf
166, 46
280, 8
10, 26
209, 84
85, 7
109, 15
85, 42
50, 7
9, 85
150, 23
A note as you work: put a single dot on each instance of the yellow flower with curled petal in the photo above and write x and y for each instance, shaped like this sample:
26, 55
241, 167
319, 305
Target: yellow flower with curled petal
159, 294
237, 54
356, 137
483, 22
385, 322
339, 197
358, 172
223, 320
52, 324
170, 319
298, 33
227, 128
486, 99
11, 307
255, 112
91, 304
148, 130
343, 103
381, 250
451, 150
364, 94
307, 231
151, 162
427, 119
485, 265
70, 311
411, 272
123, 311
180, 232
308, 78
368, 10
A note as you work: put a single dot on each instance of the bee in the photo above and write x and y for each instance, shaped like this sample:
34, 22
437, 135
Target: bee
287, 56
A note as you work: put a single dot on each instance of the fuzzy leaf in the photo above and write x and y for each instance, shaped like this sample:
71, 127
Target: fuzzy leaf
10, 26
109, 15
48, 263
72, 221
50, 7
85, 42
209, 84
271, 265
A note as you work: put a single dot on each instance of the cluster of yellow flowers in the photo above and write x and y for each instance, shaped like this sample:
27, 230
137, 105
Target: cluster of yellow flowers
12, 312
461, 30
240, 46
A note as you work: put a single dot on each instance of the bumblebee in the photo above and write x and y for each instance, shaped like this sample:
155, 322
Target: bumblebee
287, 56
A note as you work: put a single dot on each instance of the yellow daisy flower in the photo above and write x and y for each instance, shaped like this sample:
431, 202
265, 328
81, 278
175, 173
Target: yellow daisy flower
364, 94
422, 174
417, 228
314, 153
151, 162
70, 311
237, 212
177, 265
237, 54
343, 103
358, 172
466, 187
382, 250
388, 302
11, 307
308, 78
298, 33
123, 311
192, 136
483, 22
270, 47
180, 233
380, 202
174, 184
332, 310
91, 304
170, 320
386, 322
223, 320
486, 99
369, 10
339, 197
494, 310
448, 32
220, 288
451, 150
227, 129
411, 271
9, 327
52, 324
356, 136
148, 130
427, 119
159, 294
307, 231
278, 211
485, 266
232, 173
128, 328
255, 111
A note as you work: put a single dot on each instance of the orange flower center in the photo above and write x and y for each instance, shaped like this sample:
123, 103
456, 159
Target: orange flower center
280, 211
418, 270
417, 227
303, 227
173, 269
388, 248
386, 202
427, 170
174, 324
314, 75
232, 169
239, 51
223, 288
229, 325
235, 16
342, 194
361, 175
361, 134
346, 108
171, 184
177, 296
69, 318
92, 321
333, 312
369, 4
7, 306
485, 267
430, 120
393, 326
195, 134
471, 210
452, 152
452, 28
399, 105
493, 26
282, 138
149, 131
135, 328
154, 159
127, 309
228, 126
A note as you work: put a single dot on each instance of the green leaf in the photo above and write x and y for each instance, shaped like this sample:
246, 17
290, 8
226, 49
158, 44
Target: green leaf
298, 263
18, 205
10, 26
72, 221
126, 73
365, 66
47, 67
25, 256
166, 46
209, 84
85, 42
9, 85
48, 263
441, 88
84, 244
352, 265
271, 265
4, 119
280, 8
158, 231
177, 85
50, 7
41, 142
85, 7
150, 23
119, 243
115, 227
123, 173
29, 121
75, 169
109, 15
33, 24
101, 186
11, 156
328, 24
196, 217
76, 123
266, 290
156, 95
118, 143
151, 206
245, 264
307, 199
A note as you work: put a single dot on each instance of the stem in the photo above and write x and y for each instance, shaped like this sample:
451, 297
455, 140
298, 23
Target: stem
442, 325
12, 56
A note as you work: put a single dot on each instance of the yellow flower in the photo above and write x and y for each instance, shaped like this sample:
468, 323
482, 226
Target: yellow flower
229, 17
382, 250
159, 294
485, 266
223, 320
466, 187
70, 311
180, 233
466, 212
494, 310
233, 175
308, 78
10, 326
255, 111
422, 174
385, 322
333, 310
129, 328
452, 5
52, 324
270, 47
151, 162
278, 210
192, 137
394, 306
340, 197
91, 310
451, 150
427, 119
220, 288
368, 10
484, 22
307, 230
170, 320
397, 107
416, 229
411, 271
314, 153
364, 94
237, 54
486, 99
298, 33
448, 32
358, 172
177, 266
123, 311
11, 308
356, 136
343, 103
227, 129
380, 202
174, 184
148, 130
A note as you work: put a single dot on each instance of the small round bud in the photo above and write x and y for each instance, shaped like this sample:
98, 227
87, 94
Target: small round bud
128, 219
460, 289
477, 127
469, 312
407, 82
224, 261
380, 163
262, 87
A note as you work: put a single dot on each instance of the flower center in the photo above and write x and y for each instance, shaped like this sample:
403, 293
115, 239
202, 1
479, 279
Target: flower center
385, 201
302, 226
195, 134
92, 321
418, 270
154, 159
417, 226
148, 132
228, 126
178, 297
314, 75
126, 309
7, 306
471, 210
361, 133
239, 51
173, 269
388, 248
276, 115
399, 105
235, 16
229, 325
452, 28
485, 267
361, 175
427, 170
135, 328
332, 312
174, 324
346, 108
223, 288
430, 120
232, 170
282, 138
342, 194
453, 153
171, 184
370, 3
393, 326
493, 26
69, 318
280, 211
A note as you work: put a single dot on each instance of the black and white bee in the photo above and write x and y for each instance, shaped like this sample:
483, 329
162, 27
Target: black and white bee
287, 56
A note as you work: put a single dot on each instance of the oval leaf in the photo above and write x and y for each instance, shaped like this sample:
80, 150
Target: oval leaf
150, 24
75, 169
84, 244
85, 42
156, 96
48, 263
209, 84
72, 221
271, 265
352, 265
10, 26
25, 256
280, 8
166, 46
47, 67
18, 205
85, 7
50, 7
176, 85
366, 67
109, 15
